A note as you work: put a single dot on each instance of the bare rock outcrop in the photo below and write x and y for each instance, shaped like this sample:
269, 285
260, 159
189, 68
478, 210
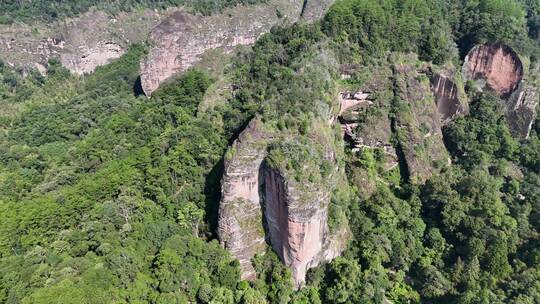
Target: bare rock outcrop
521, 109
240, 226
88, 58
82, 44
450, 101
500, 69
352, 101
264, 197
364, 114
494, 66
297, 207
182, 38
314, 9
298, 225
417, 122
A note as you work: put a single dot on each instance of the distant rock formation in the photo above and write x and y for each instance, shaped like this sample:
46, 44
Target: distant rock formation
82, 44
182, 38
87, 59
498, 68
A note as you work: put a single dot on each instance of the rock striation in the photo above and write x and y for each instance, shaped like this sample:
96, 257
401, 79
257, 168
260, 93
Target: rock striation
264, 199
498, 68
240, 225
297, 205
450, 99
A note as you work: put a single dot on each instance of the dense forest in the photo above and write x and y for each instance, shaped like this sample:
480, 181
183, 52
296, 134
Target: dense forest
110, 197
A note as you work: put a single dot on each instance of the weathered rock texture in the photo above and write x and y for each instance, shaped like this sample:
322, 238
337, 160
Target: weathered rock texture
450, 98
314, 9
182, 38
417, 122
240, 226
500, 69
95, 38
87, 59
521, 109
496, 65
294, 210
82, 43
297, 206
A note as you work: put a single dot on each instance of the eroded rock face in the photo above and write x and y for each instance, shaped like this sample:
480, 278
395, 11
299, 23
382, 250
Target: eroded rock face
297, 218
240, 227
352, 101
521, 110
495, 66
182, 38
82, 44
499, 68
88, 58
314, 9
447, 97
257, 197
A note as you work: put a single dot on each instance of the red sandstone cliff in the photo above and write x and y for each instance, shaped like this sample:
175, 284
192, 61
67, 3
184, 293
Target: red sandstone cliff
297, 215
498, 65
240, 226
292, 215
499, 68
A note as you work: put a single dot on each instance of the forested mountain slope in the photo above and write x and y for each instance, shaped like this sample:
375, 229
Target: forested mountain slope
387, 153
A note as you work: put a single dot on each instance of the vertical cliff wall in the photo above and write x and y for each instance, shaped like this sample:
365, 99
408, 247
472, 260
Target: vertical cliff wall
297, 234
297, 204
498, 68
296, 179
451, 100
182, 38
240, 226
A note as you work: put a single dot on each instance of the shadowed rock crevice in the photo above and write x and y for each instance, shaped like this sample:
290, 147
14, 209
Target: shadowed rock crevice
137, 87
